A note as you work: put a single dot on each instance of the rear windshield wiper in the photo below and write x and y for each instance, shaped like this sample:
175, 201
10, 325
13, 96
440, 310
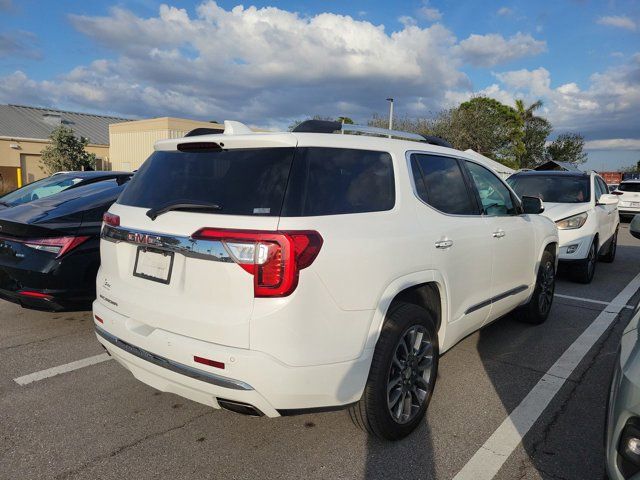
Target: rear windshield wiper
153, 213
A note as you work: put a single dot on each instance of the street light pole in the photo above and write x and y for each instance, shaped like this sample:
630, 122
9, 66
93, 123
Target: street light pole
390, 100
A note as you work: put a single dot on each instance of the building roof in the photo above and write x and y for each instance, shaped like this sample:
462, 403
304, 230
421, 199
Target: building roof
20, 121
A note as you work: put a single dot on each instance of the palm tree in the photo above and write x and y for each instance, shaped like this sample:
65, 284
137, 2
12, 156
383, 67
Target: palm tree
534, 132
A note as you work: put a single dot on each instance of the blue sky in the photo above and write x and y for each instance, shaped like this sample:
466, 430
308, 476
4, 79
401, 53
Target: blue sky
268, 63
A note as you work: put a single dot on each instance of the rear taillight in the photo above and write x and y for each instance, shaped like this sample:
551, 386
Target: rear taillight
57, 245
273, 258
111, 219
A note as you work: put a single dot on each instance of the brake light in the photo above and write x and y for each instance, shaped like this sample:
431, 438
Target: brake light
273, 258
57, 245
34, 294
111, 219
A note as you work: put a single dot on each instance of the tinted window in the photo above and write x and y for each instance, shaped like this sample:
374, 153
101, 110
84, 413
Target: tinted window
552, 188
494, 195
331, 181
440, 183
629, 187
242, 181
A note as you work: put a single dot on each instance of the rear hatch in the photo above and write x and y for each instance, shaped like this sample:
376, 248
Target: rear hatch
630, 192
161, 269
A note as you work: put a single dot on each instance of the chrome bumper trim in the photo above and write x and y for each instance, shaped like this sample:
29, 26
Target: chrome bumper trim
176, 367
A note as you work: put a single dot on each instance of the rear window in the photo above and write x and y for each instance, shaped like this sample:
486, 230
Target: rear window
267, 181
629, 187
552, 188
241, 181
333, 181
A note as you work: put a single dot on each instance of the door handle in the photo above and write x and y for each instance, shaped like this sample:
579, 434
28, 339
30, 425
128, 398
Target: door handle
443, 244
498, 234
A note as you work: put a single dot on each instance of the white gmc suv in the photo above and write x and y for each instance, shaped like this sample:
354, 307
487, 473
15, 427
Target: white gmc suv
283, 273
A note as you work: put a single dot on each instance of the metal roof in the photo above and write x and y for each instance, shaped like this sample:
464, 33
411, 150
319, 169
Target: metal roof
34, 122
550, 164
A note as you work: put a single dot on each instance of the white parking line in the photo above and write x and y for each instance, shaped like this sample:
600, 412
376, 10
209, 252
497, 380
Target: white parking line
589, 300
488, 460
67, 367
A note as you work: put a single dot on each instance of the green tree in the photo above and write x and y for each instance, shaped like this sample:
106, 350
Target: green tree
346, 120
535, 131
66, 152
568, 147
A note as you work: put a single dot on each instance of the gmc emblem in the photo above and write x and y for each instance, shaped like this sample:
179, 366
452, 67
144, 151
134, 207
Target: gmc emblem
144, 239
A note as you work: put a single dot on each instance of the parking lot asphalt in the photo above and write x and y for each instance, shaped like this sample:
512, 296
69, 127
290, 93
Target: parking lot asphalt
100, 422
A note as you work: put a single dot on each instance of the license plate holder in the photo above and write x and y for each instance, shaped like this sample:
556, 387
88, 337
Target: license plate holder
153, 264
634, 204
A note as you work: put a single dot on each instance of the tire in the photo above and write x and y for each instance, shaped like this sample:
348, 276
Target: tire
584, 270
610, 256
537, 309
396, 375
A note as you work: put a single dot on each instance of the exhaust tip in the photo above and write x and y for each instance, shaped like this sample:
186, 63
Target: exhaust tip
239, 407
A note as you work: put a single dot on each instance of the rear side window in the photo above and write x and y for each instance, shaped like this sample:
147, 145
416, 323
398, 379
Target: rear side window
441, 184
333, 181
241, 181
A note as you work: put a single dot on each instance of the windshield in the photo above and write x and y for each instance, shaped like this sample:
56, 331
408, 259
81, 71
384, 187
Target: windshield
40, 189
629, 187
552, 188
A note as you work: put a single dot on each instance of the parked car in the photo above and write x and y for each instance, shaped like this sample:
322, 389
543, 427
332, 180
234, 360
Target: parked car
49, 248
629, 194
622, 431
283, 273
584, 211
634, 227
56, 183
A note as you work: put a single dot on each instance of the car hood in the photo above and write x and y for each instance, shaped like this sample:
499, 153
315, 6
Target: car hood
558, 211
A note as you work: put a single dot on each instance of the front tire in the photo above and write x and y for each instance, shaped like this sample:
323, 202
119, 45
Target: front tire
610, 256
539, 306
402, 376
584, 270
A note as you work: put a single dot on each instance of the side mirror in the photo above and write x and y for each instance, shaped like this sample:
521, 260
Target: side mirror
634, 227
532, 205
607, 199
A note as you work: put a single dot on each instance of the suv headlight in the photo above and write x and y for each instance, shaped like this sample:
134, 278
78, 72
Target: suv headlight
571, 223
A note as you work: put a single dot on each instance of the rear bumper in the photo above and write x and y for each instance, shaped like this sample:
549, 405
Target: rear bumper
165, 361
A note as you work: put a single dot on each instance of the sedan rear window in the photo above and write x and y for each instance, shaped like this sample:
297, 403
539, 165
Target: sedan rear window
240, 181
552, 188
629, 187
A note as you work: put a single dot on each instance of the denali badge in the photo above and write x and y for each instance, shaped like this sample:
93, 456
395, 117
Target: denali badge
144, 239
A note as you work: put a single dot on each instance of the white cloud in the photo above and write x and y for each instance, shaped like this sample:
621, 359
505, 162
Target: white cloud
253, 64
618, 21
430, 13
613, 144
493, 49
505, 11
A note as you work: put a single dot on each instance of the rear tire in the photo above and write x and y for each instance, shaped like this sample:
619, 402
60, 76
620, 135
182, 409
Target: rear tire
402, 376
585, 269
610, 256
539, 306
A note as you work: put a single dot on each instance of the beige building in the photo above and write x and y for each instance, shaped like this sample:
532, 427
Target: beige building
119, 144
130, 143
24, 133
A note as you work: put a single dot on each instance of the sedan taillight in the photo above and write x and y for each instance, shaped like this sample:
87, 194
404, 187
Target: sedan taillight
57, 245
273, 258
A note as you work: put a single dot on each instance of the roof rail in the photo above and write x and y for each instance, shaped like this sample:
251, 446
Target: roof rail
328, 126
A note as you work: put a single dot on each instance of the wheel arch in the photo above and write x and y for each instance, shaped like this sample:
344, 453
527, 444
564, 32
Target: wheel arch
425, 289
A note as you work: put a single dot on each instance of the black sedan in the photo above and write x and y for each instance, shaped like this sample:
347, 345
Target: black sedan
49, 248
56, 183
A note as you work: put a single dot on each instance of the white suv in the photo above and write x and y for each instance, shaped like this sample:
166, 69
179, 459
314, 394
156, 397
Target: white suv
284, 273
629, 194
584, 211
